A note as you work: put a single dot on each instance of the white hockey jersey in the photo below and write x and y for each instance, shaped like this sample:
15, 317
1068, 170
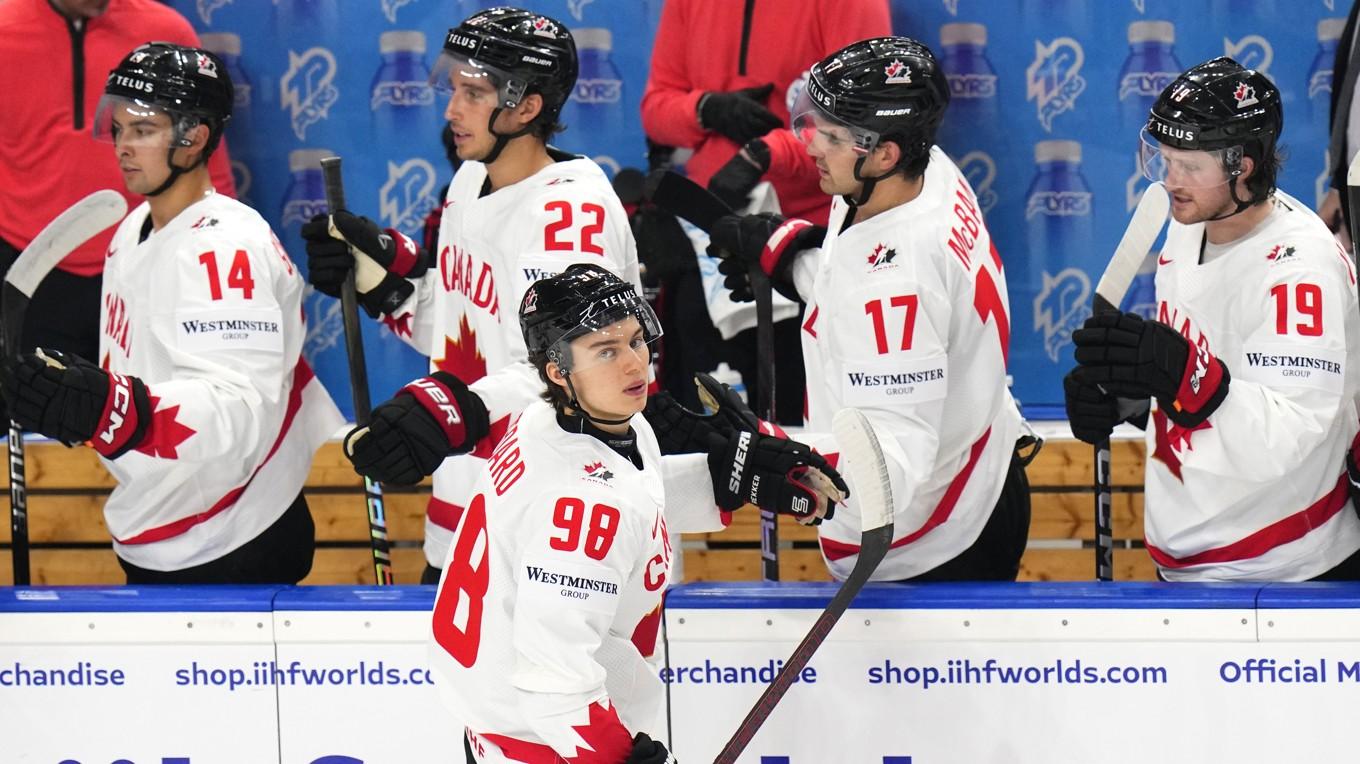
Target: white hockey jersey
464, 312
207, 312
1258, 491
547, 614
907, 319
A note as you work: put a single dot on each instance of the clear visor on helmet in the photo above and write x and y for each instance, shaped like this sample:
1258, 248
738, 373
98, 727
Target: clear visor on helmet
132, 122
619, 334
824, 132
1182, 168
452, 74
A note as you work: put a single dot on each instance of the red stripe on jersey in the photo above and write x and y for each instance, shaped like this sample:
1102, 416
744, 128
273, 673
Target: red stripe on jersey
604, 733
302, 376
646, 631
809, 325
1278, 533
838, 550
443, 513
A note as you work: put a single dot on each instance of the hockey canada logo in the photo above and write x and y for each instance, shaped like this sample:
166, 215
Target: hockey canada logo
306, 89
881, 258
206, 9
1053, 80
206, 66
390, 8
1280, 252
1061, 308
407, 195
598, 472
1245, 95
204, 222
543, 27
896, 73
1252, 52
980, 170
530, 303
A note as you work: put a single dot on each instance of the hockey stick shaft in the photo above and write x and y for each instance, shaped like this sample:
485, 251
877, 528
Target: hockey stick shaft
769, 522
358, 382
1353, 201
18, 508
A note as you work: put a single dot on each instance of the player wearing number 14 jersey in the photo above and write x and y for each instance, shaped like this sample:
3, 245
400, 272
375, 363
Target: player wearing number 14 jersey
906, 315
517, 210
1249, 367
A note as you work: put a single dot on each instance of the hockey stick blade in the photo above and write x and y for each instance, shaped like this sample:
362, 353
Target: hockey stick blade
76, 225
863, 459
684, 198
1134, 246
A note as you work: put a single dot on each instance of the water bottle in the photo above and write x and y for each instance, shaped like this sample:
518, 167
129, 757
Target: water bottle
1320, 73
731, 377
1151, 66
321, 18
306, 192
971, 121
240, 132
401, 98
594, 115
1062, 255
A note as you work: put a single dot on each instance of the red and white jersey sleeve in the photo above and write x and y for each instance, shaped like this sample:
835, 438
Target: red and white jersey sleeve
207, 312
465, 311
907, 319
546, 617
1258, 491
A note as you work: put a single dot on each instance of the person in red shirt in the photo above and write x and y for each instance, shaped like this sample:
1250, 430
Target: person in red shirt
54, 58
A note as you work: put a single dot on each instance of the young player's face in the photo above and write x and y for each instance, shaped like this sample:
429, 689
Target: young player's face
833, 148
1198, 184
473, 100
140, 141
609, 370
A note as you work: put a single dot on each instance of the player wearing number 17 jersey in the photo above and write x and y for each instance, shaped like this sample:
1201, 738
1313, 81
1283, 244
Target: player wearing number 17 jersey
906, 316
1249, 367
517, 210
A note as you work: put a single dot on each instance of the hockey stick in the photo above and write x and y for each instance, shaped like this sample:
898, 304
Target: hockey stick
1129, 255
73, 227
1353, 200
862, 457
683, 197
358, 383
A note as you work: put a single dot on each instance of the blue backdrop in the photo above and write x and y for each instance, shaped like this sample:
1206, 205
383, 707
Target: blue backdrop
1048, 99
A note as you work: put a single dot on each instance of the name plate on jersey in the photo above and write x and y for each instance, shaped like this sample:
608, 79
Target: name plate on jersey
202, 331
556, 582
914, 380
1280, 365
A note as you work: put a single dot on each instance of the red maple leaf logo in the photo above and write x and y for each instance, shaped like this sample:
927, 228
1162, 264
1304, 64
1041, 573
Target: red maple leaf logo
462, 358
166, 432
1171, 439
895, 68
400, 325
605, 736
591, 468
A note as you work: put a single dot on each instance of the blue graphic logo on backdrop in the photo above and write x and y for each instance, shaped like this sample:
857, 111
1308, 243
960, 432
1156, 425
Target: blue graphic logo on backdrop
395, 93
577, 8
952, 6
1140, 6
598, 90
1145, 84
407, 195
306, 89
206, 8
980, 170
325, 325
390, 8
1320, 82
1060, 308
1054, 79
1252, 51
1058, 204
241, 178
301, 210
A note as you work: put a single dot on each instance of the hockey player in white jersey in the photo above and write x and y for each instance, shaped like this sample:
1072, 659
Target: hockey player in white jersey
547, 614
201, 406
907, 316
1249, 367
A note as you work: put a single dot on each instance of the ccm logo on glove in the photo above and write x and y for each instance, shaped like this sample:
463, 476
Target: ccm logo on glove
116, 410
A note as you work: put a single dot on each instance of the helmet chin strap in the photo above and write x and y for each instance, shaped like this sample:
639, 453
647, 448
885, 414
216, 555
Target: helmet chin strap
1242, 206
502, 140
175, 170
866, 188
580, 410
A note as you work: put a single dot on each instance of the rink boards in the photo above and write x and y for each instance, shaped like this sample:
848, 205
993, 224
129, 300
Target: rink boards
947, 673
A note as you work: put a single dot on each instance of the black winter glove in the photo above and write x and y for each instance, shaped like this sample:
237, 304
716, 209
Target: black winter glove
1131, 357
681, 431
1092, 412
738, 114
409, 436
776, 474
734, 180
382, 260
648, 751
70, 399
768, 240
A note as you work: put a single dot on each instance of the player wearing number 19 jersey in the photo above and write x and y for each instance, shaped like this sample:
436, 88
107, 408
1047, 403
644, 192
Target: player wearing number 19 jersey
906, 317
1249, 367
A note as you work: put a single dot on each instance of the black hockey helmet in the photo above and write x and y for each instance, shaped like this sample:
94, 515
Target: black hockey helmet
191, 85
521, 52
1224, 108
582, 299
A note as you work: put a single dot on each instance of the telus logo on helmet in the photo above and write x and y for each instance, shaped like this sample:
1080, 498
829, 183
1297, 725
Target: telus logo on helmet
133, 83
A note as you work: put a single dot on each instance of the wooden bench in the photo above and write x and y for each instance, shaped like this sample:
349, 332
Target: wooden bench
70, 543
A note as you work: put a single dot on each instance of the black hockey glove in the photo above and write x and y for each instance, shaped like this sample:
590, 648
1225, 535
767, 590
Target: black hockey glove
410, 436
740, 114
1131, 357
70, 399
1092, 412
648, 751
382, 260
681, 431
665, 251
733, 181
768, 240
776, 474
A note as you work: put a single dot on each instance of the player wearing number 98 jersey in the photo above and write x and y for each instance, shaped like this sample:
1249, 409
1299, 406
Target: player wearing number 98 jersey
517, 210
1249, 365
907, 316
